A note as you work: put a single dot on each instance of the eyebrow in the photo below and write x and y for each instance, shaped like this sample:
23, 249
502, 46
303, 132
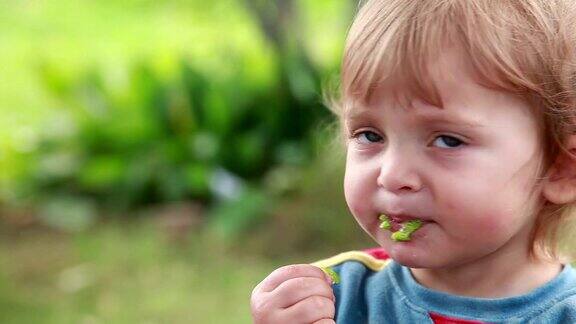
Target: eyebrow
432, 113
452, 120
456, 120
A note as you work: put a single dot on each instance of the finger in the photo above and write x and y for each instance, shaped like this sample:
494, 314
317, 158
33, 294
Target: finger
325, 321
294, 290
282, 274
311, 309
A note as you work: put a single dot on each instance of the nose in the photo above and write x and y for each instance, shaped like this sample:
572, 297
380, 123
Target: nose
399, 172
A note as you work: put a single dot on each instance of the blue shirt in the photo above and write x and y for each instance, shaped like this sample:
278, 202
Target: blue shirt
373, 290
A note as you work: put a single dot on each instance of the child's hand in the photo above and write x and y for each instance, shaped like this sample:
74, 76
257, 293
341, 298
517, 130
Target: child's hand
299, 293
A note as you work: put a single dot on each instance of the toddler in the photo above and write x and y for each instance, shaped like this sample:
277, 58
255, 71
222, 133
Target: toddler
459, 119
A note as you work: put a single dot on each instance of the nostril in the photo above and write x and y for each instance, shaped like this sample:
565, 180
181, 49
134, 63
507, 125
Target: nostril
399, 173
399, 182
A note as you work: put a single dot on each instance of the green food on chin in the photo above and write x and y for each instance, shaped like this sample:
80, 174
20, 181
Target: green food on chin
404, 234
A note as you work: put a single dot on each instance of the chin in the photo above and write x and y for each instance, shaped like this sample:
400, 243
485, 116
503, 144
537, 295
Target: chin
407, 255
410, 262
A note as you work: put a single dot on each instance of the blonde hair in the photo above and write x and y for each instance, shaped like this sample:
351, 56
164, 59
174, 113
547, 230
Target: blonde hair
525, 47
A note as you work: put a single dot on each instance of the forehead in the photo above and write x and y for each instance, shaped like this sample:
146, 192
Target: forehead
452, 87
463, 98
448, 69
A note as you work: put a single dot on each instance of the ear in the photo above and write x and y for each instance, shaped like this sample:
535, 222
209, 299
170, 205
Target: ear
560, 182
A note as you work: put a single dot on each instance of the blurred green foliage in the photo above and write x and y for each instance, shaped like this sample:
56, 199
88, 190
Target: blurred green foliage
134, 103
204, 115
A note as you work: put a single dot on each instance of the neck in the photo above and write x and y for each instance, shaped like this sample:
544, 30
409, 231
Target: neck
497, 275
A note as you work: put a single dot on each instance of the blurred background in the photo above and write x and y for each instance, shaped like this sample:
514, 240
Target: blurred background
159, 158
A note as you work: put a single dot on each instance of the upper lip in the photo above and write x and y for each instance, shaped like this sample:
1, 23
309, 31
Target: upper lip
400, 218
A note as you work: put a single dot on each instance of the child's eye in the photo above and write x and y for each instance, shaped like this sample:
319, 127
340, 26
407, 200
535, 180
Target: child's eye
445, 141
367, 137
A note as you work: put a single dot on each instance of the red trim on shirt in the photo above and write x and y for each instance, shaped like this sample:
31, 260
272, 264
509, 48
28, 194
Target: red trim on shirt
440, 319
378, 253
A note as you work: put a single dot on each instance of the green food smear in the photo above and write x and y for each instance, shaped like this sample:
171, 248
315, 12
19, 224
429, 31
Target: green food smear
400, 236
333, 275
385, 222
404, 234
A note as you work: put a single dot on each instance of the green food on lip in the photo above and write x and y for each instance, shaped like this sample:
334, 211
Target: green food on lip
400, 236
385, 222
404, 234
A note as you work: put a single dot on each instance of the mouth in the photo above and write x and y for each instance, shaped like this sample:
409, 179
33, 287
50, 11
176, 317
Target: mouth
397, 220
401, 226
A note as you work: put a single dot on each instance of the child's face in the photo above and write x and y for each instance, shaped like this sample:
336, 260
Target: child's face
467, 170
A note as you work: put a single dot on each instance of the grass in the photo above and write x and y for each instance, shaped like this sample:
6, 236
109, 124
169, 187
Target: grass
124, 274
130, 272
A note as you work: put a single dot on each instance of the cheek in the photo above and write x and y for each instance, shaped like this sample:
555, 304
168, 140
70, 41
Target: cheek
352, 193
357, 190
481, 214
484, 187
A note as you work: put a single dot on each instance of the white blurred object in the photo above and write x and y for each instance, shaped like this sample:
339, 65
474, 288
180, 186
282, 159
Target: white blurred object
76, 278
225, 185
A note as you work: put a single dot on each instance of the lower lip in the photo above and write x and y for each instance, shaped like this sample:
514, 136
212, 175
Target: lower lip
397, 223
416, 234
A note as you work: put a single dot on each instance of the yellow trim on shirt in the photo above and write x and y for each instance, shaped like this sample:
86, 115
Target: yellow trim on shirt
368, 260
